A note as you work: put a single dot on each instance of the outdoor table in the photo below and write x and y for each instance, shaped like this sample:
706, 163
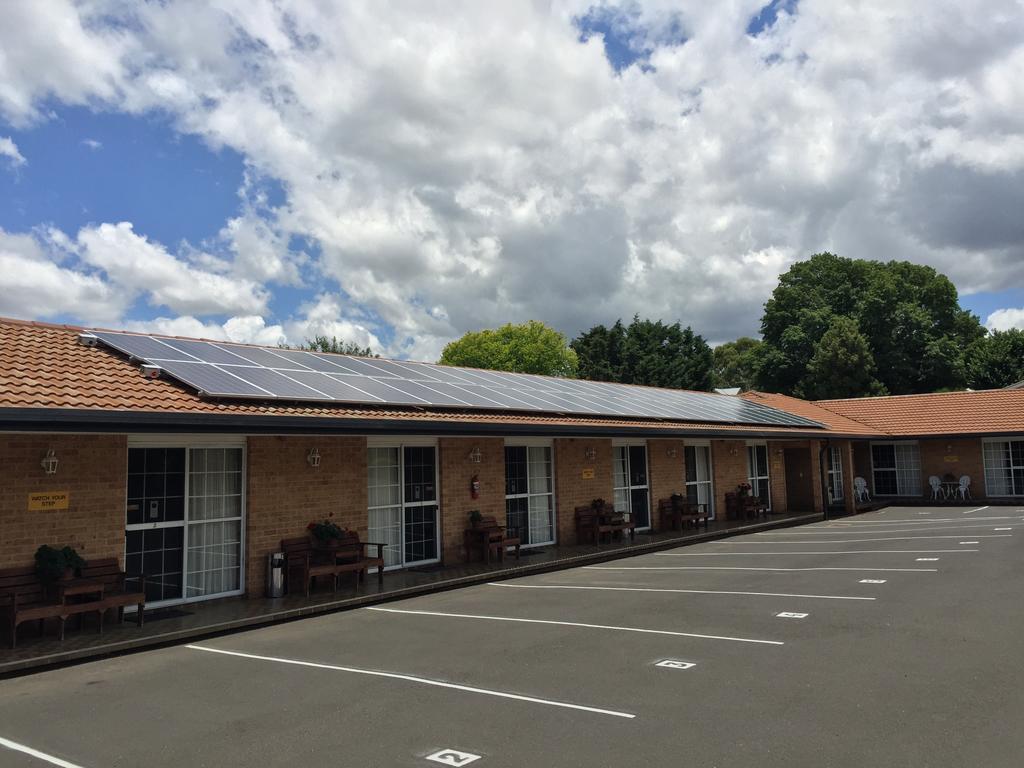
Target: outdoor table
485, 536
951, 488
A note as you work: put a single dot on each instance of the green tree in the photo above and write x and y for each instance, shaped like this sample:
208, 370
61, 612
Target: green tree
909, 314
997, 360
842, 365
601, 352
645, 352
737, 362
337, 346
528, 348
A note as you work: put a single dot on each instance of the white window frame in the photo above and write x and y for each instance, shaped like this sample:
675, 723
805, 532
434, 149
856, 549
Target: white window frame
710, 482
916, 492
753, 445
627, 444
401, 443
990, 471
187, 441
537, 442
835, 474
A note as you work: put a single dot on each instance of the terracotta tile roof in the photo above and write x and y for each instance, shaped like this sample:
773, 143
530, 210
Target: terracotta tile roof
992, 411
834, 421
42, 366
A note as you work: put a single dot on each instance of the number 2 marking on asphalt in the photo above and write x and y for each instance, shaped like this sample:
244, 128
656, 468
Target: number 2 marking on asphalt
452, 757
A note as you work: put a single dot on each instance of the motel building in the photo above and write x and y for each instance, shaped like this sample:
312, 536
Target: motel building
190, 461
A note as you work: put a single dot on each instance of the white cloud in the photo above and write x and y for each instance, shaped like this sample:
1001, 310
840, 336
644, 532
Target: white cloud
140, 266
9, 150
33, 283
92, 144
1005, 319
455, 168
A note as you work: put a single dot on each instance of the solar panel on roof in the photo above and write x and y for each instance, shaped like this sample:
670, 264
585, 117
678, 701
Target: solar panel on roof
235, 370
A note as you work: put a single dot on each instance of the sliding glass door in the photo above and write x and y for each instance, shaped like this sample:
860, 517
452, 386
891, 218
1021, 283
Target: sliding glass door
757, 473
184, 521
629, 475
699, 488
403, 509
896, 469
529, 494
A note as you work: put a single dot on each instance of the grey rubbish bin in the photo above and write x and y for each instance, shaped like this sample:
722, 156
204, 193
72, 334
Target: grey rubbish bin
275, 574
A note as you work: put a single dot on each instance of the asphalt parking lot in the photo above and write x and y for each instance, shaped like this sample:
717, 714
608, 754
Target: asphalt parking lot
902, 647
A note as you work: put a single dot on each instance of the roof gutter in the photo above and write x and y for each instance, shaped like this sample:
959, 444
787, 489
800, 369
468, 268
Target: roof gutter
79, 420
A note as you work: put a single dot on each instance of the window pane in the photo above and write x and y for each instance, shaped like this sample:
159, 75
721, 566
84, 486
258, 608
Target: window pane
620, 475
638, 465
515, 470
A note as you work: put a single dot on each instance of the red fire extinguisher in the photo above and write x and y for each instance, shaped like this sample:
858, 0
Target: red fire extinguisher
474, 486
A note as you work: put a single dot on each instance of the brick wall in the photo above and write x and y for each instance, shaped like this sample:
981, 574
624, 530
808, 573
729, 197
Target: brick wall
729, 458
665, 473
456, 502
571, 488
284, 493
92, 468
966, 459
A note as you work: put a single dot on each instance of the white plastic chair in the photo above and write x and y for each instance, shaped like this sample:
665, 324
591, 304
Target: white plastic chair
964, 491
938, 492
860, 489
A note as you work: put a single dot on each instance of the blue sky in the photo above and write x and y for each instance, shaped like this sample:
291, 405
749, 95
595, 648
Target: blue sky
273, 175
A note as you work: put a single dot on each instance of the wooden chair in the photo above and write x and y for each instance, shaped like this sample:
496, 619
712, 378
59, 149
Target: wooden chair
593, 523
23, 597
678, 512
489, 536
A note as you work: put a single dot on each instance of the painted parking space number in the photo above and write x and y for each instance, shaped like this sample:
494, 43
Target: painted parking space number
927, 559
676, 664
872, 581
453, 757
791, 615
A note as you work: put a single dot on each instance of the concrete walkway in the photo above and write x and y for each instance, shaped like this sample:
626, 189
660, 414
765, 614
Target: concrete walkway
197, 620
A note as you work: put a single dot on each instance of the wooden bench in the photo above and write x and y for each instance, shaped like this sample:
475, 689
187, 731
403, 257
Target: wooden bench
23, 597
108, 571
592, 524
488, 535
304, 561
679, 512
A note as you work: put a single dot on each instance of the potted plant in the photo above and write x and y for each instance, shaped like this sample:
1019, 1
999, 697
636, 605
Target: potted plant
743, 490
326, 532
475, 517
54, 564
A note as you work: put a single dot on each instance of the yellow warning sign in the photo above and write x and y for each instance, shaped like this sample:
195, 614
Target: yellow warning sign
42, 502
588, 473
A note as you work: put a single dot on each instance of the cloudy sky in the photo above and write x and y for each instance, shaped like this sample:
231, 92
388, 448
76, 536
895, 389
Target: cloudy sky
397, 173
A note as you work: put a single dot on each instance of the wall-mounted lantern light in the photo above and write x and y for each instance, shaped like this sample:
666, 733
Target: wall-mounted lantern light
49, 463
475, 456
313, 458
671, 452
590, 453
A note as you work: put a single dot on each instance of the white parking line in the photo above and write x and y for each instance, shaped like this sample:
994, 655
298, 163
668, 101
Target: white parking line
911, 521
860, 541
845, 552
863, 531
412, 679
740, 568
13, 745
677, 591
575, 624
